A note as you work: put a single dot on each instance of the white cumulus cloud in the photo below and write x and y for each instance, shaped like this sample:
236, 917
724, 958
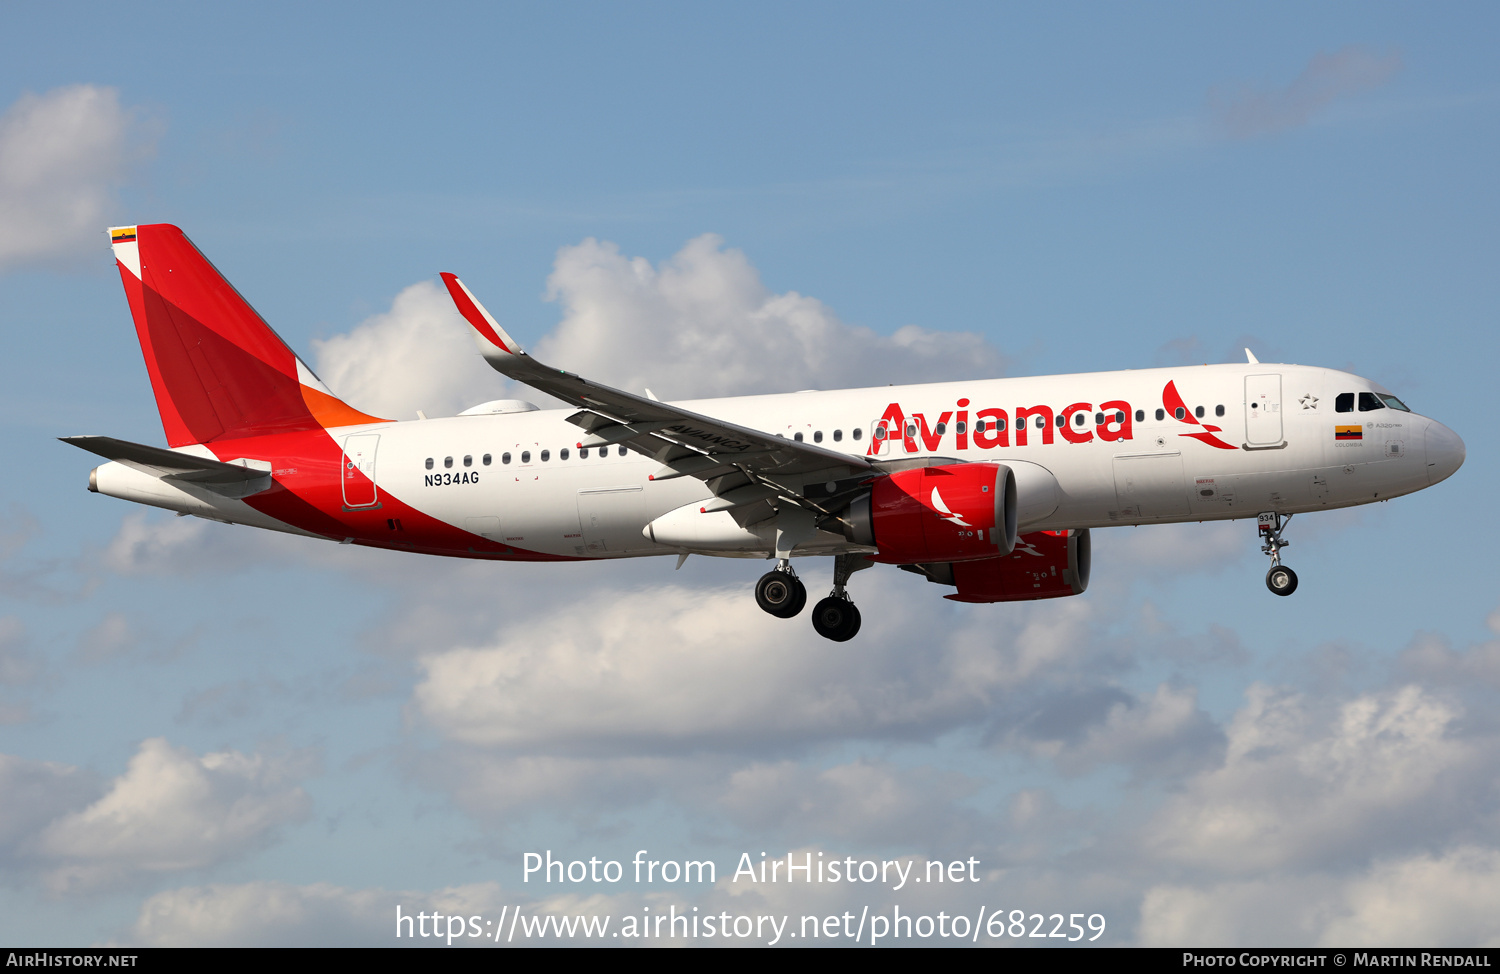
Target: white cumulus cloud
673, 668
417, 355
1302, 785
172, 810
702, 323
63, 154
1422, 900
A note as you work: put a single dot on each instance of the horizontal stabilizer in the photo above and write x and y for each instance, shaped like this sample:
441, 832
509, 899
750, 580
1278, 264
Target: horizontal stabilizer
170, 463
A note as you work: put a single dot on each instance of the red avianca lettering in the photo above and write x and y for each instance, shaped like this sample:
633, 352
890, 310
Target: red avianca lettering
1112, 422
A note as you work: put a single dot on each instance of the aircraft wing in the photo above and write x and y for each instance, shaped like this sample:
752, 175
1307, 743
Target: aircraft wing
740, 465
170, 463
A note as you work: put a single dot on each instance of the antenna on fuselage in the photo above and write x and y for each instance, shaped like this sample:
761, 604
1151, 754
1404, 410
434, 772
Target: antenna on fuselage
1250, 357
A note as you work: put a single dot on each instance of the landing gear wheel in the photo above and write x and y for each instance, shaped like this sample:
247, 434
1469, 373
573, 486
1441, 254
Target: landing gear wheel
781, 594
1281, 580
836, 619
801, 598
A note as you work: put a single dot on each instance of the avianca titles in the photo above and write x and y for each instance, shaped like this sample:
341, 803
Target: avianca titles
987, 488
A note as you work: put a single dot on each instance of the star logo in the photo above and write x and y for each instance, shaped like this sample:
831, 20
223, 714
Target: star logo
1309, 401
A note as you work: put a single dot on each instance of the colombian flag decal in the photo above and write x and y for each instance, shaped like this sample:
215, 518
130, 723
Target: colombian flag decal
122, 235
1342, 433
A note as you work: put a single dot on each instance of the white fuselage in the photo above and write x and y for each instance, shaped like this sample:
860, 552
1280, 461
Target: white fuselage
539, 492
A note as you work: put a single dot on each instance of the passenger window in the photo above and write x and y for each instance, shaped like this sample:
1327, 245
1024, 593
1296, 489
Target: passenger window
1140, 415
838, 436
911, 431
1161, 414
856, 432
1218, 410
505, 458
797, 437
1041, 423
622, 451
1369, 401
818, 436
486, 460
562, 454
1179, 413
429, 463
1198, 412
447, 461
583, 453
1119, 416
979, 426
942, 428
961, 428
469, 461
1000, 425
525, 456
1098, 419
1079, 419
546, 455
1060, 422
879, 433
1344, 403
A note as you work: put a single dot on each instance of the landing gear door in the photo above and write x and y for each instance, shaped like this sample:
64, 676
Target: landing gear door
611, 519
1263, 410
358, 473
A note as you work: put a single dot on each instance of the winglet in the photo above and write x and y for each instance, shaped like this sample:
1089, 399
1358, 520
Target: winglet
492, 340
1250, 357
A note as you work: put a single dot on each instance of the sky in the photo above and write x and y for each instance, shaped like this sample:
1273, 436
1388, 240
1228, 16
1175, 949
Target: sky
210, 735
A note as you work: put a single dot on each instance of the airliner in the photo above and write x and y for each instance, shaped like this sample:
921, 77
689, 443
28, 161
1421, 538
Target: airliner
987, 488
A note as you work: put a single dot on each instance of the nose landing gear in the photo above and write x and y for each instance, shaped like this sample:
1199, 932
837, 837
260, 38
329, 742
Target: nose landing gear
1281, 580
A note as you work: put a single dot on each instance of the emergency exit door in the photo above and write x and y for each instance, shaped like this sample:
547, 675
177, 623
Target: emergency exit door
359, 469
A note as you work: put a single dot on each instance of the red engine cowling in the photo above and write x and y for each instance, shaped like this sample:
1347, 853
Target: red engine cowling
1044, 565
955, 512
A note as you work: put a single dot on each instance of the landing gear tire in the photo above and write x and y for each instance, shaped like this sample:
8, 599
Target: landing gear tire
801, 602
1281, 580
836, 619
781, 594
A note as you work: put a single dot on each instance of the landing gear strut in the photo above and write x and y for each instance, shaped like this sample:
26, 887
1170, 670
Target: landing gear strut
1281, 580
780, 592
836, 617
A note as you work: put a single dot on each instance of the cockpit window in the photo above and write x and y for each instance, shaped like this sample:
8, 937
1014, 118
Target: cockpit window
1393, 402
1344, 403
1369, 401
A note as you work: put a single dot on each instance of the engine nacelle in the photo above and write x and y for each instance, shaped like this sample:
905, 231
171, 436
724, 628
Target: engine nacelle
1044, 565
954, 512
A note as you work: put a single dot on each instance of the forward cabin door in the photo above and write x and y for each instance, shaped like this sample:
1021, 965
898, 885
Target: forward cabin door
359, 470
1263, 410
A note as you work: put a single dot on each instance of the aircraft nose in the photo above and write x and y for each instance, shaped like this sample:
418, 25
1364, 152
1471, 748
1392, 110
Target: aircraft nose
1445, 452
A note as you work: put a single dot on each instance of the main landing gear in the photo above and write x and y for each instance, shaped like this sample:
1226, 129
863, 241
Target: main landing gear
781, 593
1281, 580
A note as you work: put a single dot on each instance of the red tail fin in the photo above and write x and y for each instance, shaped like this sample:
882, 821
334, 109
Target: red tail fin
218, 370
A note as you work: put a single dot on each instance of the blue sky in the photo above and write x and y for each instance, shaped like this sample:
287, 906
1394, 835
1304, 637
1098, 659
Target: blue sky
213, 736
